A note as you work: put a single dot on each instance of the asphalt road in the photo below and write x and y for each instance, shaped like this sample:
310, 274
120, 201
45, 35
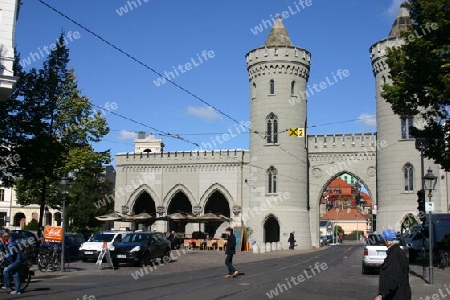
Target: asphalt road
332, 272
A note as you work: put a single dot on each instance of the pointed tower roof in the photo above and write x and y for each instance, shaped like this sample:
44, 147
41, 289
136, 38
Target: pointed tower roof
278, 35
402, 21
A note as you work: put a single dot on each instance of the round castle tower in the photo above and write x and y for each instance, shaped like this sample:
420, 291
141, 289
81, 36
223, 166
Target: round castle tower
398, 162
278, 183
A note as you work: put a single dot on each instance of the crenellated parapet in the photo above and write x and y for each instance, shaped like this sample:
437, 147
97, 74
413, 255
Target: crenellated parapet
378, 53
341, 142
274, 59
223, 157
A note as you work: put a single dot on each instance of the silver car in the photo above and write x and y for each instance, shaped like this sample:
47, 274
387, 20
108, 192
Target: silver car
375, 252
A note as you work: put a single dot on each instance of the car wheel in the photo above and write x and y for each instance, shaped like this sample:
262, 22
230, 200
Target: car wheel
166, 254
146, 259
364, 270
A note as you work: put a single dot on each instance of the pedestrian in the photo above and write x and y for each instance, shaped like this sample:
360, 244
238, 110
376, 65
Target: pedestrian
230, 251
292, 240
341, 238
394, 272
15, 258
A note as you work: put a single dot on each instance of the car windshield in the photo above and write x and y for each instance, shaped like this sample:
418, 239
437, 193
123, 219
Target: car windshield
412, 231
374, 240
101, 237
135, 238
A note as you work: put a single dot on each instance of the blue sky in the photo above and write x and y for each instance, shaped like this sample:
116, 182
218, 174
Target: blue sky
213, 36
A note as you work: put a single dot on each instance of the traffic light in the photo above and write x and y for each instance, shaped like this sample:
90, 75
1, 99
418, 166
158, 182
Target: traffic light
374, 222
421, 204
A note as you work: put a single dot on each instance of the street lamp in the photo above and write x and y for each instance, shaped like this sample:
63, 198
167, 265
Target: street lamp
64, 186
430, 181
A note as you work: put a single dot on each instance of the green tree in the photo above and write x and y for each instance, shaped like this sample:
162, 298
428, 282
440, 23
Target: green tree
420, 74
56, 127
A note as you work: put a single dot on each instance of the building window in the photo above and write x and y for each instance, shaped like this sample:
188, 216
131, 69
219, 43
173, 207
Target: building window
409, 177
272, 129
48, 219
272, 180
293, 88
272, 87
2, 194
407, 123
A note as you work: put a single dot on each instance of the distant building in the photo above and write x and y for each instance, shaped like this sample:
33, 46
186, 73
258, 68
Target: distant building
9, 12
349, 219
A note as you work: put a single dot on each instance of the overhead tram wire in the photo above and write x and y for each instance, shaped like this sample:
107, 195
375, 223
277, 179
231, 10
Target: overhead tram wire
167, 79
154, 71
138, 61
160, 132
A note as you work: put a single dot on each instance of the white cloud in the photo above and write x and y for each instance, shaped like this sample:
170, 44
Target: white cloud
393, 8
368, 120
205, 112
127, 135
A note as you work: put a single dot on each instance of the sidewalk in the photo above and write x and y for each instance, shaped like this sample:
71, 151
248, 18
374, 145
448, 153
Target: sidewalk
420, 287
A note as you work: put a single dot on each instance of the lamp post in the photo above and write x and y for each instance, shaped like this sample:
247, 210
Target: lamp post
430, 181
64, 186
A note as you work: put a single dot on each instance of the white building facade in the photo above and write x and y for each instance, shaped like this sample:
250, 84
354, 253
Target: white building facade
9, 12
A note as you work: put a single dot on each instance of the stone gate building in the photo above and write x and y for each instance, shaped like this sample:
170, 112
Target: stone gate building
276, 186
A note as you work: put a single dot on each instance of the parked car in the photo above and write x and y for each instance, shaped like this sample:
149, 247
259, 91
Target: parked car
375, 252
140, 248
72, 244
91, 249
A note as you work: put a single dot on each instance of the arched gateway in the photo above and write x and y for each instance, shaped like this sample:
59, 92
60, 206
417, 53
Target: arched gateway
276, 187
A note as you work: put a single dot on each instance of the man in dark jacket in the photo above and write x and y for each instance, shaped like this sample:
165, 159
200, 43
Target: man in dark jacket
15, 256
230, 251
394, 272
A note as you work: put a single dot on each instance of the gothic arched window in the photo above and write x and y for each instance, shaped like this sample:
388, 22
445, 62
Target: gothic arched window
272, 180
407, 123
272, 87
408, 171
272, 129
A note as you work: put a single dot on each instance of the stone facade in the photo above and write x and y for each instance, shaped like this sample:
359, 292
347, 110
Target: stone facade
276, 186
9, 12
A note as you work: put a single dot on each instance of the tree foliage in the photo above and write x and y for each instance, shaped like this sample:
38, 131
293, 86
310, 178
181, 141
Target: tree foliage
52, 130
420, 76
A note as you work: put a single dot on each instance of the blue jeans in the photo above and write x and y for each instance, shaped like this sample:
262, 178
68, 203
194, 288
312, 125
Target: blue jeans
14, 270
229, 264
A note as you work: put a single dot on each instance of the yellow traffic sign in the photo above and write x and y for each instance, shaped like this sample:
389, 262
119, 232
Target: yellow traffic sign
299, 132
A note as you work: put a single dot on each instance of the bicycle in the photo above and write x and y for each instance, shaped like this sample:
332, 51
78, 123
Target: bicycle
24, 271
50, 258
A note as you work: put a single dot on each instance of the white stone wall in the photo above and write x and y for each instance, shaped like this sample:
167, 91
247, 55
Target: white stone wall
393, 202
288, 156
197, 174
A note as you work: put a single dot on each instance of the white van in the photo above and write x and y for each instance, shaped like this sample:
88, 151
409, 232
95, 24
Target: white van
91, 249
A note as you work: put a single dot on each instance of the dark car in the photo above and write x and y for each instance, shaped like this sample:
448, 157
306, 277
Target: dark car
141, 248
72, 244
